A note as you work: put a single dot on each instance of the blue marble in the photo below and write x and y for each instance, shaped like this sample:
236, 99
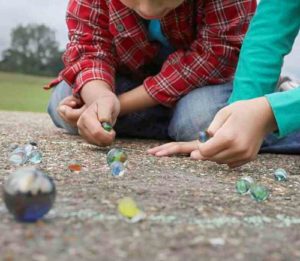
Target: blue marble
117, 169
35, 157
29, 194
116, 154
280, 175
203, 136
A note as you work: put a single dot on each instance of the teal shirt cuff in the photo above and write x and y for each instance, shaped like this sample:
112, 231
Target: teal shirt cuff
286, 109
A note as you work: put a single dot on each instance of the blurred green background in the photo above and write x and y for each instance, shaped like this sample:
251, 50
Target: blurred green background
21, 92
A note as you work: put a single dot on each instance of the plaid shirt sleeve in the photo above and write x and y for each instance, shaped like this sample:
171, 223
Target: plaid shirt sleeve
212, 57
88, 55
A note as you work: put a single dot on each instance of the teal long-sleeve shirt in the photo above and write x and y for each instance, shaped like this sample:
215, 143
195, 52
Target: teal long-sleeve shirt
271, 35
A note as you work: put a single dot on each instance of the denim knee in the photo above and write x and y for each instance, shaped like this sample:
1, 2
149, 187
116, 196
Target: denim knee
195, 111
61, 91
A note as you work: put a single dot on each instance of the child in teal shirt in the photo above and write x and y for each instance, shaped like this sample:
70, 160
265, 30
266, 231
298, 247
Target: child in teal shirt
239, 130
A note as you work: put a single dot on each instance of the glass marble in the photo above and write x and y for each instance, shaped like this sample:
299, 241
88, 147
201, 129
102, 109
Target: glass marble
128, 208
106, 126
259, 192
116, 155
18, 156
203, 136
29, 194
243, 185
117, 169
35, 157
75, 166
28, 148
280, 175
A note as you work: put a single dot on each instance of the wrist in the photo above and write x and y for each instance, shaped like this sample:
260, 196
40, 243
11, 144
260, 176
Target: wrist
270, 123
135, 100
94, 90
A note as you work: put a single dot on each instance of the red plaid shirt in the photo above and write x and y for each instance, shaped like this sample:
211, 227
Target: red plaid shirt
106, 35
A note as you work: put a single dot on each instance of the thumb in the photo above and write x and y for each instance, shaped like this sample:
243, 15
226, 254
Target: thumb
218, 121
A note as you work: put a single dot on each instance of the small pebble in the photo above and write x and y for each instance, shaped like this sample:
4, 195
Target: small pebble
280, 175
33, 143
259, 192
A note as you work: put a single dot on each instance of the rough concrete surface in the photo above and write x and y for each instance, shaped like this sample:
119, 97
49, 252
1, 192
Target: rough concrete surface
193, 211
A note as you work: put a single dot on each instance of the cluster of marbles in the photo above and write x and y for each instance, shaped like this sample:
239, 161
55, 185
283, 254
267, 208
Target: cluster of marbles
129, 210
117, 160
22, 154
29, 194
246, 185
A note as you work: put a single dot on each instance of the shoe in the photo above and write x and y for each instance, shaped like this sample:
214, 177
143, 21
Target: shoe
286, 83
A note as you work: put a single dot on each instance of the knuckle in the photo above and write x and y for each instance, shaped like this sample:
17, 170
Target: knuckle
229, 138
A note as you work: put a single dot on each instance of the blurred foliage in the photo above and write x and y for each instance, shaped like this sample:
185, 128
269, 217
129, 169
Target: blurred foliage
33, 50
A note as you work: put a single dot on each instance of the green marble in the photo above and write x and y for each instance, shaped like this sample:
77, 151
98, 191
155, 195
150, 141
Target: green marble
259, 192
106, 126
243, 185
116, 154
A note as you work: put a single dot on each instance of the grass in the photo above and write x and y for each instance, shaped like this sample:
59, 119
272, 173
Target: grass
20, 92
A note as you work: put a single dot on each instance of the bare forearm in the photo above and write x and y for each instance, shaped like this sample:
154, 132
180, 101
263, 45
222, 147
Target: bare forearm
136, 100
93, 90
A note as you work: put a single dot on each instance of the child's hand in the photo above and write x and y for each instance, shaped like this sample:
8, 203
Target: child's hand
238, 131
105, 108
174, 148
70, 110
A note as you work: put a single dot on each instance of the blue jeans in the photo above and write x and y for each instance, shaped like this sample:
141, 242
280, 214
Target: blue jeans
192, 113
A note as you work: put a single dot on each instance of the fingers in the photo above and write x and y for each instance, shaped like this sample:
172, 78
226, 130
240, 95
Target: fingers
70, 115
73, 114
173, 148
231, 163
92, 131
239, 163
219, 120
72, 102
214, 145
105, 113
196, 155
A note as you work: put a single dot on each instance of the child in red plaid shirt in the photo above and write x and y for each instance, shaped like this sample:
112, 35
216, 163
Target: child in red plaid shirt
151, 68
